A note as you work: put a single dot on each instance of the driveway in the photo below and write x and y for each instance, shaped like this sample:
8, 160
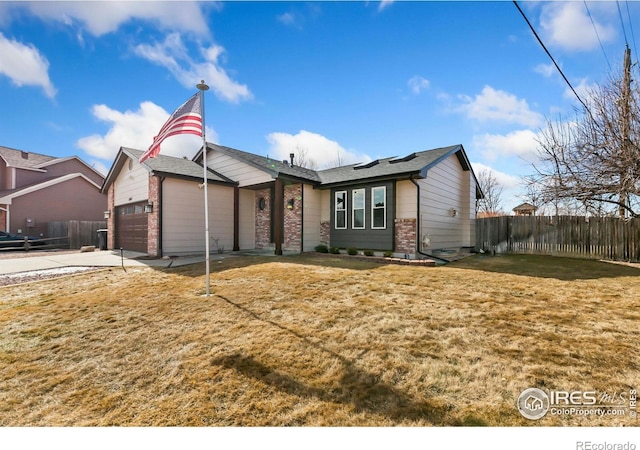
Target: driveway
20, 262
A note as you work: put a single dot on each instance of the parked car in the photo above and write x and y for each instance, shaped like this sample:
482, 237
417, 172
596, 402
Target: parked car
8, 240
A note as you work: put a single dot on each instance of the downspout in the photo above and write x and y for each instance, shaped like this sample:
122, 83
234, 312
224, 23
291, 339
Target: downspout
160, 237
302, 218
418, 226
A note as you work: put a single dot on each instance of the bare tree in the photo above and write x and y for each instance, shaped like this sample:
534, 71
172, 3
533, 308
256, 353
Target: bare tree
491, 204
303, 159
595, 158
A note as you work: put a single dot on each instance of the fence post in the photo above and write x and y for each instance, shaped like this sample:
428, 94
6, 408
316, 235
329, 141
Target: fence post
26, 243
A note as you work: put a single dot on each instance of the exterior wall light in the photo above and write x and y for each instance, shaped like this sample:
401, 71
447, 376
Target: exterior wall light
107, 214
290, 204
148, 208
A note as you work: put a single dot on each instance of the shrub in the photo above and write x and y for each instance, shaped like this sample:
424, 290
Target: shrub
334, 250
388, 254
352, 251
368, 253
321, 248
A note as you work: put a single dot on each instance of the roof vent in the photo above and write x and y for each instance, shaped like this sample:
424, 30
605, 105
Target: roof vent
25, 155
405, 159
368, 165
285, 162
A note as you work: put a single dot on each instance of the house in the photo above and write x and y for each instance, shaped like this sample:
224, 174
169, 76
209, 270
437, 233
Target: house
525, 209
36, 189
409, 205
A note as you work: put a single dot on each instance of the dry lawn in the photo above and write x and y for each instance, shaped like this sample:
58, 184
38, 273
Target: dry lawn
318, 342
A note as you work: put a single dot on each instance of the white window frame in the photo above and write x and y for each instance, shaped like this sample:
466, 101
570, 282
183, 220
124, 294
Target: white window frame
344, 209
374, 207
354, 209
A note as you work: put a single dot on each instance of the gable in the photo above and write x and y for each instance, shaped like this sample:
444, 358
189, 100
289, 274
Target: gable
241, 172
8, 197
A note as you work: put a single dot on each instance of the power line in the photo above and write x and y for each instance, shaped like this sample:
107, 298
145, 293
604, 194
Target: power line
624, 32
552, 59
597, 35
633, 38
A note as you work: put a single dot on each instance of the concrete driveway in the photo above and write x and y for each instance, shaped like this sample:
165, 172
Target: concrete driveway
17, 263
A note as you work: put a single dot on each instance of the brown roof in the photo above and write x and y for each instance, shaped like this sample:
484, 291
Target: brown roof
22, 159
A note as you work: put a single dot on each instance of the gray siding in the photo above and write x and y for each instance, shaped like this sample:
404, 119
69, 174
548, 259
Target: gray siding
367, 238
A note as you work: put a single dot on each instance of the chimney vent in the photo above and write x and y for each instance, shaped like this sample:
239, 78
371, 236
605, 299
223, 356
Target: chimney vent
291, 156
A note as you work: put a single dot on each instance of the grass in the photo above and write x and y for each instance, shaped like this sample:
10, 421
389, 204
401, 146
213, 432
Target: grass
317, 342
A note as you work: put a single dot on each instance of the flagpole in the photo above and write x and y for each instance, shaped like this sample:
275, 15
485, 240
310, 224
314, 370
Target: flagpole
203, 87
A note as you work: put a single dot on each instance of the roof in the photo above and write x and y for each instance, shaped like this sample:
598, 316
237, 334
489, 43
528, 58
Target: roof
416, 164
22, 159
525, 207
274, 167
164, 165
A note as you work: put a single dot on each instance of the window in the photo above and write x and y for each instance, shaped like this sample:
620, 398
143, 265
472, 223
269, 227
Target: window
379, 207
357, 219
341, 210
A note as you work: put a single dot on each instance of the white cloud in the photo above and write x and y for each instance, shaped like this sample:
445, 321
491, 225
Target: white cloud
499, 106
384, 4
321, 150
505, 180
520, 143
173, 55
418, 84
584, 90
136, 129
288, 18
546, 70
24, 65
100, 18
567, 25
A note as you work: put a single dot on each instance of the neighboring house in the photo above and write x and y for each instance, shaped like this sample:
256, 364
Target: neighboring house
525, 209
411, 205
36, 189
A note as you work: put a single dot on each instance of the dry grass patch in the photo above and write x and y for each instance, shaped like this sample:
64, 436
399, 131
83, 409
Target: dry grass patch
323, 342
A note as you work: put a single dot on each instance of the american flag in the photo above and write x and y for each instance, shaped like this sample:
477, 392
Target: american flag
187, 119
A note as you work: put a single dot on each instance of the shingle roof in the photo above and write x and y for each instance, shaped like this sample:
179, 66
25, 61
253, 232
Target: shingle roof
170, 165
273, 166
22, 159
413, 164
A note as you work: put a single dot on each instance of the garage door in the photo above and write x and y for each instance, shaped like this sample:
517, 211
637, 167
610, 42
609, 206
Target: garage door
131, 227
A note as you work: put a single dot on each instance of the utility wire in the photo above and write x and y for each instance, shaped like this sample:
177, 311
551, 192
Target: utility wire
624, 32
597, 35
552, 59
633, 38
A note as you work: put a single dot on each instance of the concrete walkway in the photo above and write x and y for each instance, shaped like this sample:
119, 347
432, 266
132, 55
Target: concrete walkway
98, 258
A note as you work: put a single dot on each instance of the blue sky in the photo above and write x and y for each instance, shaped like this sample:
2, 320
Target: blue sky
348, 80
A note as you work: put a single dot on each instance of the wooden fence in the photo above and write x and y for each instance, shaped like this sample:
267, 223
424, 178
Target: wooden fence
576, 236
78, 232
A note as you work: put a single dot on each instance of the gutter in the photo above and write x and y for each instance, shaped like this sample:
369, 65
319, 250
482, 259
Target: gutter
418, 224
160, 237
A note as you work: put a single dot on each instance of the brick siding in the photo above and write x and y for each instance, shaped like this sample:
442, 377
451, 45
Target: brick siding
263, 219
405, 238
293, 218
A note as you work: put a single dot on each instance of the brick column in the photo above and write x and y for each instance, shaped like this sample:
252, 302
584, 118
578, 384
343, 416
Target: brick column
405, 238
293, 217
153, 232
263, 218
325, 232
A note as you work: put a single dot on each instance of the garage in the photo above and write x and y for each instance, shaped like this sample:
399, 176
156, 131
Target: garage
132, 227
